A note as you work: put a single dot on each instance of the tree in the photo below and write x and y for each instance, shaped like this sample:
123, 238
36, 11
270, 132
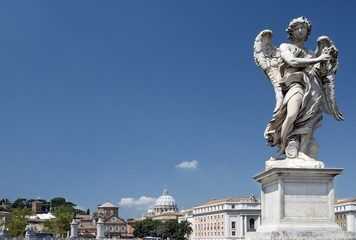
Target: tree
29, 202
19, 203
162, 231
184, 230
63, 219
4, 200
19, 222
56, 202
81, 212
147, 227
49, 226
88, 211
171, 229
61, 202
61, 224
107, 235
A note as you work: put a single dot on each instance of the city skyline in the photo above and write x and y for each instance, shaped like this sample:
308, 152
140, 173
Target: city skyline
115, 100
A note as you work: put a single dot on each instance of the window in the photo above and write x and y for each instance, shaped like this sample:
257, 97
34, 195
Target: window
232, 224
252, 224
233, 206
233, 233
117, 228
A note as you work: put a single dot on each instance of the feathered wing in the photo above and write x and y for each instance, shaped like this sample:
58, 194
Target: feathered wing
325, 72
267, 57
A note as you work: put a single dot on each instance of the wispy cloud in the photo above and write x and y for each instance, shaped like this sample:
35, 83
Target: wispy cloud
188, 165
142, 203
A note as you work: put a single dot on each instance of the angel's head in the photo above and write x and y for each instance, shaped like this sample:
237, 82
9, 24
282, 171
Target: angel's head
294, 24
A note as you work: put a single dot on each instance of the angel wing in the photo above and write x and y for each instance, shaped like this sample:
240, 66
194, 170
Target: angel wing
268, 58
325, 72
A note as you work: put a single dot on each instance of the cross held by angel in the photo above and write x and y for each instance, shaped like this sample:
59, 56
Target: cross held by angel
303, 81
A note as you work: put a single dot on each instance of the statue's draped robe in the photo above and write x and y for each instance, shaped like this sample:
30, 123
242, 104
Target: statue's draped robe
297, 81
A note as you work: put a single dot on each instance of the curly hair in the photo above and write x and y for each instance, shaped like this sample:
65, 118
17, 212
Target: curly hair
296, 21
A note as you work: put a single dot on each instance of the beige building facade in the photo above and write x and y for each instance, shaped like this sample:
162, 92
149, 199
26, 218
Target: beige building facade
114, 225
228, 218
345, 214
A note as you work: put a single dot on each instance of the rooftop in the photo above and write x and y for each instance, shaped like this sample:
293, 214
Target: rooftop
108, 205
230, 199
345, 200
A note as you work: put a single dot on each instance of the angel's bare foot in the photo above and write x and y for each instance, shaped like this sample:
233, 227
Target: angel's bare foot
278, 154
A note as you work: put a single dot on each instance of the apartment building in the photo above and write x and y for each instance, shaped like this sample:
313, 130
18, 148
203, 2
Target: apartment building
225, 219
345, 214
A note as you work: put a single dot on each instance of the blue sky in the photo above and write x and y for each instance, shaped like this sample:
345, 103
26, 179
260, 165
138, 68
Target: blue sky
113, 100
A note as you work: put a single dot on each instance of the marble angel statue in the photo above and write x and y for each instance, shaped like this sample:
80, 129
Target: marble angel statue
303, 82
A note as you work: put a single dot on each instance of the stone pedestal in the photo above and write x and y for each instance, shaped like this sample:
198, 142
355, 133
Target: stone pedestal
30, 232
4, 232
100, 229
298, 203
74, 229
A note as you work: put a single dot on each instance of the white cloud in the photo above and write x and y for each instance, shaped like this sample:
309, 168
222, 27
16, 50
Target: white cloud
188, 165
142, 203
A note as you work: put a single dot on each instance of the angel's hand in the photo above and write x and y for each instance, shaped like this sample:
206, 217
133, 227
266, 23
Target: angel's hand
324, 57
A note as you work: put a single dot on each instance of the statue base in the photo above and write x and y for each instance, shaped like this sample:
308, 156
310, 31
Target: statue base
298, 203
293, 163
305, 235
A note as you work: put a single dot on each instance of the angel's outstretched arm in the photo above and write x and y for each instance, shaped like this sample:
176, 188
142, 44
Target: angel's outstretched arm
293, 61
